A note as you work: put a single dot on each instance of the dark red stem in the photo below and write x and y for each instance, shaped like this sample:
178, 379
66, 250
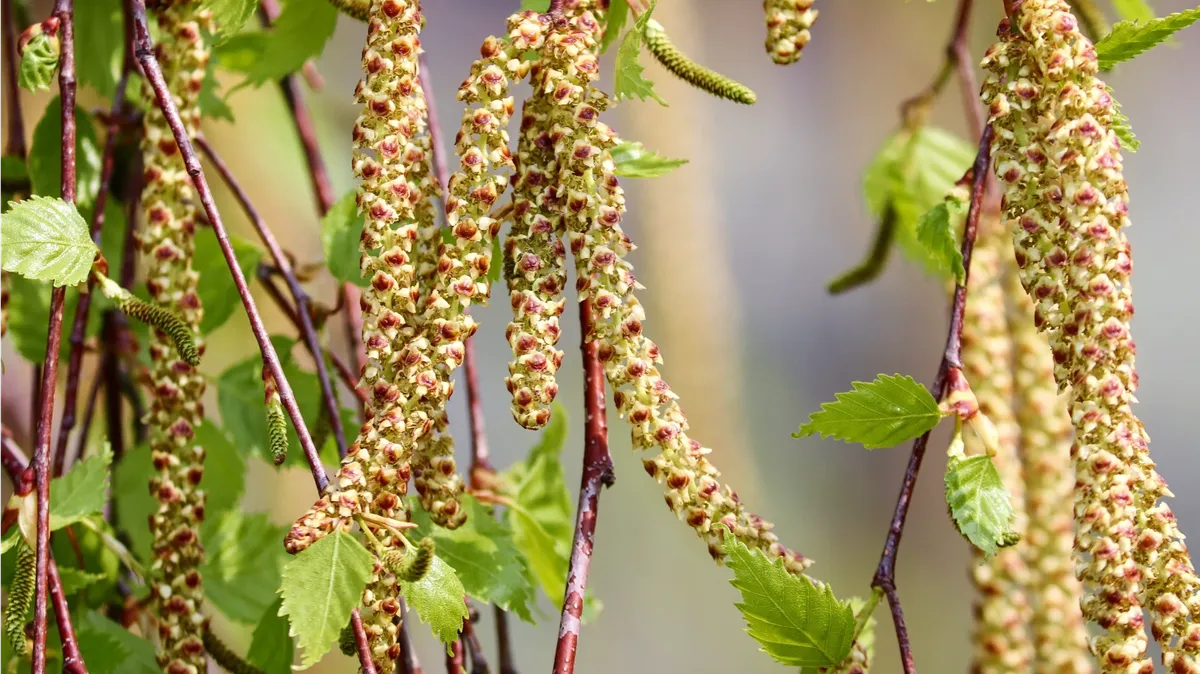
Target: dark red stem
15, 144
885, 573
84, 306
504, 642
597, 472
145, 55
409, 663
470, 642
454, 658
303, 313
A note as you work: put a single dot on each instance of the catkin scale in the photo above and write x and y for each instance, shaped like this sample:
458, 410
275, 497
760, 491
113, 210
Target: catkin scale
18, 599
705, 79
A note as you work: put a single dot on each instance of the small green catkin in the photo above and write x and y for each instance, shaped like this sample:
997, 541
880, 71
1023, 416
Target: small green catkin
693, 73
276, 421
20, 594
411, 566
225, 657
155, 316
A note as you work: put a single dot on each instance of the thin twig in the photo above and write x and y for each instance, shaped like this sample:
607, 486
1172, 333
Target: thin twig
470, 641
303, 313
84, 306
89, 411
14, 145
64, 11
885, 573
409, 663
145, 56
15, 464
597, 472
504, 642
454, 658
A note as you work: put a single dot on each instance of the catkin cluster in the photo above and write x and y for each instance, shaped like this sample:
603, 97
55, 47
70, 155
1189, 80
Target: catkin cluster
788, 24
166, 242
1059, 633
1066, 202
1000, 642
593, 204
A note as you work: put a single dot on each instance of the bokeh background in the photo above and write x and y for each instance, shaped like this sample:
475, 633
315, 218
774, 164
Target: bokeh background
735, 250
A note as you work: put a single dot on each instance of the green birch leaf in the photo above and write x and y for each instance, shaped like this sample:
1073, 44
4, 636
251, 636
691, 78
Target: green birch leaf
212, 105
99, 49
979, 503
81, 491
272, 648
1121, 126
796, 622
341, 229
45, 155
876, 414
132, 499
1134, 10
108, 648
438, 599
618, 13
484, 556
73, 580
39, 63
321, 586
865, 642
1131, 38
300, 33
218, 293
224, 471
629, 80
633, 160
936, 234
229, 16
243, 564
46, 239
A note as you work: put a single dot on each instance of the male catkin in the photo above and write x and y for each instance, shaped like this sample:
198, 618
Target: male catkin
18, 599
705, 79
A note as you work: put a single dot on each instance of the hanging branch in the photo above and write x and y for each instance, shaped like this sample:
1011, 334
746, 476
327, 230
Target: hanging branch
885, 574
301, 299
144, 52
83, 308
15, 145
64, 11
597, 472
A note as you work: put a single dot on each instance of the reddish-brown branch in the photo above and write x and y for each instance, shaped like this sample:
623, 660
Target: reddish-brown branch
409, 663
957, 61
885, 573
303, 313
145, 55
14, 145
454, 658
84, 306
504, 642
470, 642
597, 472
15, 464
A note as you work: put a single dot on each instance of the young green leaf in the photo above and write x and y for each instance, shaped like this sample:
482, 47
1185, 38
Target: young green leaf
1121, 126
629, 80
243, 564
212, 104
876, 414
979, 503
81, 491
229, 16
45, 155
484, 556
39, 62
911, 174
73, 580
341, 229
300, 33
796, 622
633, 160
1131, 38
108, 648
541, 6
272, 648
438, 598
133, 501
1134, 10
46, 239
935, 232
618, 13
218, 294
321, 586
98, 50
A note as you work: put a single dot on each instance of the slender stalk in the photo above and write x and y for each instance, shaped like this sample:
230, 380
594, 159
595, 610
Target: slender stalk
153, 73
303, 303
454, 658
14, 145
504, 642
15, 464
885, 573
409, 663
470, 641
84, 306
597, 472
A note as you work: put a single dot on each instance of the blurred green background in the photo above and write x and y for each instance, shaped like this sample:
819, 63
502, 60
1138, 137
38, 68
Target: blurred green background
735, 249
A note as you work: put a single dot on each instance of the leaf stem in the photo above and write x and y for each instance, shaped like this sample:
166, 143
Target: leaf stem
597, 472
84, 306
885, 573
868, 609
118, 548
303, 302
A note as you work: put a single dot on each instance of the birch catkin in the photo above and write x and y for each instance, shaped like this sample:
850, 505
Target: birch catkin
1001, 641
1066, 202
166, 242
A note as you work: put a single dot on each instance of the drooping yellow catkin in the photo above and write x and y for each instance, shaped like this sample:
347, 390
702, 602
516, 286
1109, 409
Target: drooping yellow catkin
1066, 201
788, 24
166, 242
593, 203
1000, 641
1059, 633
